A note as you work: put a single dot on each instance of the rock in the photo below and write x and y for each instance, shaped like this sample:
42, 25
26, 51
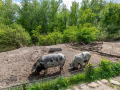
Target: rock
100, 83
68, 89
75, 88
84, 87
1, 87
114, 82
93, 85
104, 81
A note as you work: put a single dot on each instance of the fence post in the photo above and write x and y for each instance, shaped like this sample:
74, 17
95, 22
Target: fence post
89, 70
24, 86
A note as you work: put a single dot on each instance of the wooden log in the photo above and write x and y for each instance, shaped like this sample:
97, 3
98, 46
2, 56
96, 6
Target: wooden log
55, 49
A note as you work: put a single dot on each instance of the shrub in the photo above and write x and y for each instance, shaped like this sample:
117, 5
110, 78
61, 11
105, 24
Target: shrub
14, 35
57, 37
35, 34
106, 67
86, 33
69, 35
51, 38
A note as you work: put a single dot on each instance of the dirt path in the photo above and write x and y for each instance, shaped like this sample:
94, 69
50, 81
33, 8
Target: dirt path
15, 65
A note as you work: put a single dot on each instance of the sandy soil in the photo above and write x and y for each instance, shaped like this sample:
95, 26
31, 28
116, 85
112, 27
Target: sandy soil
16, 65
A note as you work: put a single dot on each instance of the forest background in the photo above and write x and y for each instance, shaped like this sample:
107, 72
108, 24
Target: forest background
48, 22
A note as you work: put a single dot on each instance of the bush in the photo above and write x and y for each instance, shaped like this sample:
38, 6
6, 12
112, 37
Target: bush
51, 38
69, 35
36, 34
57, 37
106, 67
14, 35
86, 33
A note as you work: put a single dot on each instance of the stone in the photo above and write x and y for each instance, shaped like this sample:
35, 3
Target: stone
104, 81
100, 83
84, 87
93, 85
75, 88
1, 87
68, 89
114, 82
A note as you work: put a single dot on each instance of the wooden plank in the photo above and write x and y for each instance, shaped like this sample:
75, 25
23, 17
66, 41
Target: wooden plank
55, 49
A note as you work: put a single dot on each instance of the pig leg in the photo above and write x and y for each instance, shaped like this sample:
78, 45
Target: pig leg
46, 70
81, 66
61, 66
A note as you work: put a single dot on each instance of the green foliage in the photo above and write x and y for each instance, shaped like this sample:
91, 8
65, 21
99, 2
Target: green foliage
40, 19
50, 39
1, 31
73, 18
57, 37
8, 9
62, 17
58, 83
86, 16
86, 33
84, 4
14, 35
90, 71
69, 35
106, 68
97, 5
36, 34
111, 18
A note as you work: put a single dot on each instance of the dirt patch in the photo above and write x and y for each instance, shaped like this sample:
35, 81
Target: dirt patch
16, 65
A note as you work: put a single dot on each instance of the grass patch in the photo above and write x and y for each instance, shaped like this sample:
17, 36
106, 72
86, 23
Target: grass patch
111, 85
4, 48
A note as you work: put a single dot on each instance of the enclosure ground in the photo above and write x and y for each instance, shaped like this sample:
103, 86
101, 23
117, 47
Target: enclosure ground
16, 65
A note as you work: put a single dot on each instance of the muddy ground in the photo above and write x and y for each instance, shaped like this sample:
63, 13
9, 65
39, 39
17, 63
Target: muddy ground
16, 65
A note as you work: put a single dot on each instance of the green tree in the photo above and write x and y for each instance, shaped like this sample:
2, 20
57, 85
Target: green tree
87, 16
97, 5
62, 18
28, 15
73, 18
111, 18
8, 11
43, 18
53, 8
84, 4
